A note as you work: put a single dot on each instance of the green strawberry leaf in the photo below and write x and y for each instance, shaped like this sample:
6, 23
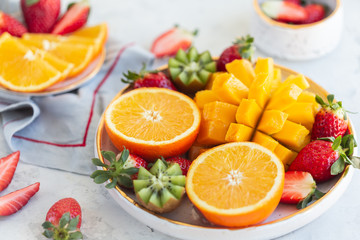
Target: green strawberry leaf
319, 100
31, 2
109, 155
97, 162
124, 155
355, 162
75, 235
102, 178
330, 98
97, 173
73, 224
111, 185
129, 171
47, 225
302, 204
338, 166
64, 219
48, 233
318, 194
125, 181
337, 143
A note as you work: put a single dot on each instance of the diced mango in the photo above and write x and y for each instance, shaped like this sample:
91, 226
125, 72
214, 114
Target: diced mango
265, 65
284, 98
212, 132
260, 89
248, 113
238, 133
272, 121
205, 96
229, 89
309, 97
303, 113
212, 79
299, 80
220, 111
276, 79
265, 140
285, 155
195, 151
242, 70
292, 135
306, 141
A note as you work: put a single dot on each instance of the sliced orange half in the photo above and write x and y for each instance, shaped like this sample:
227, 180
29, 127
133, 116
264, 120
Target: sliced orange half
98, 33
236, 184
22, 70
153, 122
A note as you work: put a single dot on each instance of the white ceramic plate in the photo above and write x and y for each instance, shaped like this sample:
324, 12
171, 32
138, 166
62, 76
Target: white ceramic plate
68, 84
187, 223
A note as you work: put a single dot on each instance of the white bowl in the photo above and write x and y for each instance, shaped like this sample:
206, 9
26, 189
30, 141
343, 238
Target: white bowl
298, 42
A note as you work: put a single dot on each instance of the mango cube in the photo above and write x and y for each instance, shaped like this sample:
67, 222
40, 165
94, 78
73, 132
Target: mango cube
260, 89
285, 155
272, 121
292, 135
302, 113
220, 111
299, 80
306, 141
265, 140
309, 97
265, 65
276, 79
243, 70
229, 89
205, 96
212, 79
238, 133
284, 98
248, 113
212, 132
195, 151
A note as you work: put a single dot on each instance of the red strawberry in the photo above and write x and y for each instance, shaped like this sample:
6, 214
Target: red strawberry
148, 79
242, 48
299, 188
297, 2
13, 202
315, 12
284, 11
75, 17
183, 163
63, 220
7, 169
122, 168
168, 43
11, 25
40, 15
325, 159
331, 120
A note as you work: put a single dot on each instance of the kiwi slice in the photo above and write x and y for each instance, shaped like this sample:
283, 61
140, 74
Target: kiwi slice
161, 188
191, 71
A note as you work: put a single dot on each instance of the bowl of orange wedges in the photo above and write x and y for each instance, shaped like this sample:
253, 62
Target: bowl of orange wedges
241, 129
43, 64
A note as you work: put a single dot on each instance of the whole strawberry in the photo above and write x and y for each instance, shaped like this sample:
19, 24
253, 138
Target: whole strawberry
122, 169
11, 25
148, 79
63, 220
183, 163
40, 15
242, 48
315, 13
331, 120
324, 159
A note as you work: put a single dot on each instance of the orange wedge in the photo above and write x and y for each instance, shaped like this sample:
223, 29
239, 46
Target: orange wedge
80, 55
98, 33
236, 184
22, 70
153, 122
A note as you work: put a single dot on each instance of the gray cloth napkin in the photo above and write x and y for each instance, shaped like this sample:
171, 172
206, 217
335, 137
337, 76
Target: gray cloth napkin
58, 131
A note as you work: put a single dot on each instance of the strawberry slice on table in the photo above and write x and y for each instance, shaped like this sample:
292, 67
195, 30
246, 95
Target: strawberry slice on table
299, 188
7, 169
331, 120
148, 79
75, 17
284, 11
168, 43
242, 48
183, 163
13, 202
40, 15
122, 168
326, 157
11, 25
315, 12
63, 220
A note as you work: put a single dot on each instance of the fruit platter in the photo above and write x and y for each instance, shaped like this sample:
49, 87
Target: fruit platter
232, 120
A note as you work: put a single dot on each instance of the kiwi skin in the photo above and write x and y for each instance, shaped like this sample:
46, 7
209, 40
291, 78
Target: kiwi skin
161, 188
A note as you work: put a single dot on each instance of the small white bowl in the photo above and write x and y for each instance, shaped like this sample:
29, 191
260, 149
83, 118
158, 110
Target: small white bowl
298, 42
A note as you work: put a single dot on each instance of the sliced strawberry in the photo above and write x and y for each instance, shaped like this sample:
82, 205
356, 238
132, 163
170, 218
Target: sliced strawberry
168, 43
75, 17
183, 163
7, 169
284, 11
11, 25
299, 188
315, 12
297, 2
13, 202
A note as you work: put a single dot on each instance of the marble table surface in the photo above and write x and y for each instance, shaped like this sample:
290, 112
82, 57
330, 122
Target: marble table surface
219, 23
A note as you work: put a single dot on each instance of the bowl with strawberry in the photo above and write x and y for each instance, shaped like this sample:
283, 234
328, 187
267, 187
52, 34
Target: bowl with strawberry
297, 29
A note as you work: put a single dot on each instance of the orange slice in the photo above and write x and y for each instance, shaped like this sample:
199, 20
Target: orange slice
80, 55
22, 70
236, 184
153, 122
98, 33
